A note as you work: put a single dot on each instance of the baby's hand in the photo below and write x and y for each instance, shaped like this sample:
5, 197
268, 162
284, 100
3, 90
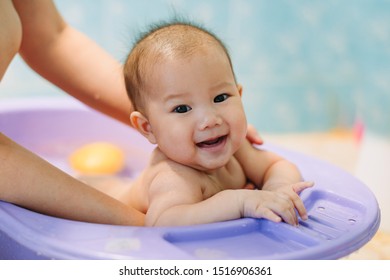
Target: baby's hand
276, 205
293, 191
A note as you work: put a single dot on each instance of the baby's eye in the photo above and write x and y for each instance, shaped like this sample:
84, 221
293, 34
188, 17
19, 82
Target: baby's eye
182, 109
221, 97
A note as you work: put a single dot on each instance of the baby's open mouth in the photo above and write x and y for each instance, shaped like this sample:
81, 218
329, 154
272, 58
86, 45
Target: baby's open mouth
212, 142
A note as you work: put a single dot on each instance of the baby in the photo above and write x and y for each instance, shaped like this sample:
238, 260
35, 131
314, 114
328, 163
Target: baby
180, 80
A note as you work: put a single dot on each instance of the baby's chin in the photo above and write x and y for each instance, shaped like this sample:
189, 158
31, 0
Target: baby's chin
212, 165
205, 160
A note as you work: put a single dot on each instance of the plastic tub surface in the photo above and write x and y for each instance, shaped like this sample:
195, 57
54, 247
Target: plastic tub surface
343, 212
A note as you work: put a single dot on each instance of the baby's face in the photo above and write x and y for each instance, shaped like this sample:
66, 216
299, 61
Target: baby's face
195, 111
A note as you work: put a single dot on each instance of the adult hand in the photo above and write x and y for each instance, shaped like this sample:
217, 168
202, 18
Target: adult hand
252, 136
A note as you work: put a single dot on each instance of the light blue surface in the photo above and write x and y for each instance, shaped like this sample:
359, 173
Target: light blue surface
305, 65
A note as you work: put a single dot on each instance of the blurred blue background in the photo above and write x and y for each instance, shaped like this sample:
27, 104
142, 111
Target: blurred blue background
306, 66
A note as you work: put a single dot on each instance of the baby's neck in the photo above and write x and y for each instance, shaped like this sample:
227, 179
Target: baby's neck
160, 156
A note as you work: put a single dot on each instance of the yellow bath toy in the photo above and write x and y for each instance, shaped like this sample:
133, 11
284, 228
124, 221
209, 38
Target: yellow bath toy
98, 158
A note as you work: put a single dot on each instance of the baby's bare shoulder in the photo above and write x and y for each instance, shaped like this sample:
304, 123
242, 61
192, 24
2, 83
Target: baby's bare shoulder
169, 174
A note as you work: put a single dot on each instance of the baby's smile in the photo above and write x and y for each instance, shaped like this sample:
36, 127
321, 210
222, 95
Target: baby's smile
213, 143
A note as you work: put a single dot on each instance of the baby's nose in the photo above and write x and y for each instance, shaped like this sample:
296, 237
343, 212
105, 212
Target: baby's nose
209, 119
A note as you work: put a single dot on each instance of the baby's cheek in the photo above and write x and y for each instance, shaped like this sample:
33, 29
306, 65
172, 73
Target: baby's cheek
240, 128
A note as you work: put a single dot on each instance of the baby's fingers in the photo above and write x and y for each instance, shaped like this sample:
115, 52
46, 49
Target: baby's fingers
271, 206
266, 213
299, 187
290, 217
285, 209
300, 207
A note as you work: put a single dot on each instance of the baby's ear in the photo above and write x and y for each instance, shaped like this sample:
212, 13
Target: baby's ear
141, 123
240, 88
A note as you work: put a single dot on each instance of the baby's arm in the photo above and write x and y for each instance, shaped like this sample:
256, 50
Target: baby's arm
273, 173
178, 200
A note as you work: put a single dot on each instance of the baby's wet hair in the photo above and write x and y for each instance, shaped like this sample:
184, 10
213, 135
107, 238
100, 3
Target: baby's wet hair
177, 37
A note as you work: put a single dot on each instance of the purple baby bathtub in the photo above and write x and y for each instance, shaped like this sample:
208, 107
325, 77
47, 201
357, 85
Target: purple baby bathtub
343, 213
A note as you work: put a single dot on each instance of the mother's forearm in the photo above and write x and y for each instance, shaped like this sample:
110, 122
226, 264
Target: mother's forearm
31, 182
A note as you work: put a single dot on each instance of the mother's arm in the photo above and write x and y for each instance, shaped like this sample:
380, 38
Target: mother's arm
29, 181
70, 60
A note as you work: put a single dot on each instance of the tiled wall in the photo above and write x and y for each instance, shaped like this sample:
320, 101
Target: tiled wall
309, 65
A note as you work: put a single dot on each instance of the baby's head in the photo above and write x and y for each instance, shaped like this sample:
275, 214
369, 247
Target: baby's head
180, 80
176, 39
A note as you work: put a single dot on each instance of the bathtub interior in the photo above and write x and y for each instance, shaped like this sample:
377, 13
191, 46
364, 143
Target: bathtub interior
55, 132
343, 213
